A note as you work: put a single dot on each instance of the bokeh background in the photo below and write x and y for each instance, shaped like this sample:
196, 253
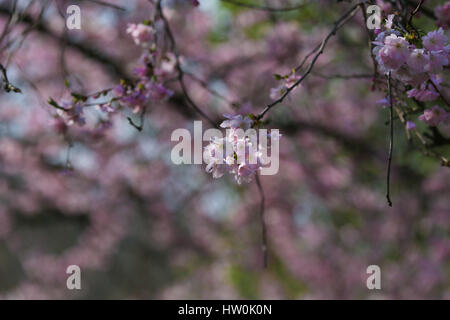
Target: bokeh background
112, 201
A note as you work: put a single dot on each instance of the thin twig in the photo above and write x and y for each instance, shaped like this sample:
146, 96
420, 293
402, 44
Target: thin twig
337, 25
414, 12
139, 126
391, 140
10, 19
427, 12
206, 86
178, 65
263, 224
7, 86
440, 93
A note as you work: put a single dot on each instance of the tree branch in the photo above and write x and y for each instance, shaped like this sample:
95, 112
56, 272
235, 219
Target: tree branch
338, 24
178, 66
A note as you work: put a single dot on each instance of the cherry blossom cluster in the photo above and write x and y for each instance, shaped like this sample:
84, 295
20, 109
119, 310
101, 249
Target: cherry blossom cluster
416, 65
154, 68
434, 116
71, 112
408, 63
238, 153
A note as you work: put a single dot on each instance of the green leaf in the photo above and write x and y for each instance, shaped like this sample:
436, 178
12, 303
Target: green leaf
278, 76
53, 103
78, 97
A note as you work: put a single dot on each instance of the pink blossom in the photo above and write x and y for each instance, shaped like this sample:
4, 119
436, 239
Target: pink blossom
406, 75
280, 90
426, 91
107, 107
292, 80
238, 155
141, 72
437, 60
142, 34
157, 91
394, 52
423, 94
443, 15
435, 40
236, 121
277, 92
119, 90
417, 60
167, 65
135, 100
214, 157
74, 113
434, 116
